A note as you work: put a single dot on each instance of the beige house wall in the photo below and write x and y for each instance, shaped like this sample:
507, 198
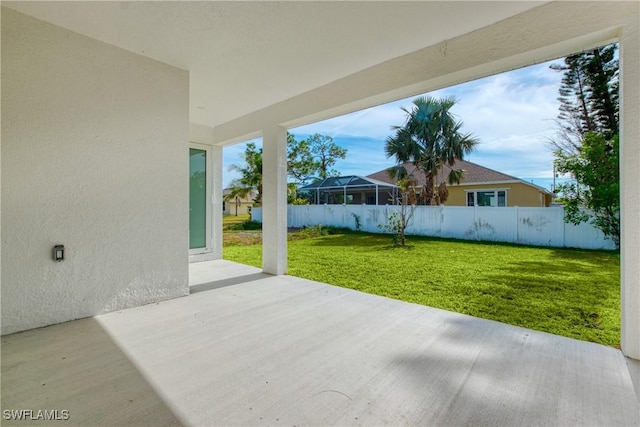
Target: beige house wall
518, 194
242, 209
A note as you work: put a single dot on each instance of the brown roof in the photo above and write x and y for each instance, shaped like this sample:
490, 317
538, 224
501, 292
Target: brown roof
474, 174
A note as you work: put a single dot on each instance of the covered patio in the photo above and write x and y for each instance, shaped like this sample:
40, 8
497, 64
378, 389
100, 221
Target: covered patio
101, 104
247, 348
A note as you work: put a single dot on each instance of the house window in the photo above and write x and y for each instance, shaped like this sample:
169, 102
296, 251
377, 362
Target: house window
502, 198
487, 198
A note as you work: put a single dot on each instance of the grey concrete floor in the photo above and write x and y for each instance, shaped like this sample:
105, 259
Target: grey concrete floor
246, 348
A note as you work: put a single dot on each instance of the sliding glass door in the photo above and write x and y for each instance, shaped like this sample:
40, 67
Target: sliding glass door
199, 199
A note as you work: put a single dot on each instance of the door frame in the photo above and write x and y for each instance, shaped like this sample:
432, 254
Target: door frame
208, 192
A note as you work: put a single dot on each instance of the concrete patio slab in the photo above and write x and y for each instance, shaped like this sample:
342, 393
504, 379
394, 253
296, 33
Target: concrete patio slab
287, 351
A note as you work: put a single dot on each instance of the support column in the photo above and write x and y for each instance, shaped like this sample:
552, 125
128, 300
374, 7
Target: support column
629, 195
216, 199
274, 200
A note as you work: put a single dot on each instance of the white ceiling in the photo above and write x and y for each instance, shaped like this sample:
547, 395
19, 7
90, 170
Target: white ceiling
244, 56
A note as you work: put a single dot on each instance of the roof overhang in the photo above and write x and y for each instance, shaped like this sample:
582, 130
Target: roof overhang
537, 35
259, 64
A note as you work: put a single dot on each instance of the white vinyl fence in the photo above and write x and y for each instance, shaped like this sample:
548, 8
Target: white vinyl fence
529, 226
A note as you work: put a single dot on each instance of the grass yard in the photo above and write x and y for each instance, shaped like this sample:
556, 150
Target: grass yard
239, 230
574, 293
230, 220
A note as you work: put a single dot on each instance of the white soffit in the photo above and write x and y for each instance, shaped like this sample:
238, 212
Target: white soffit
245, 56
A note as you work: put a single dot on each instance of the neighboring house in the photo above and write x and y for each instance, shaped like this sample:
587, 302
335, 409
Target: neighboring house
482, 186
236, 205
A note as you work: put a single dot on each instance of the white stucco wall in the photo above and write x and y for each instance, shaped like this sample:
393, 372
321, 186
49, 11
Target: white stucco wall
629, 197
92, 138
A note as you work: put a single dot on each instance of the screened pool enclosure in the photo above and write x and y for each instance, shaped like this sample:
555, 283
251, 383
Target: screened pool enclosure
350, 190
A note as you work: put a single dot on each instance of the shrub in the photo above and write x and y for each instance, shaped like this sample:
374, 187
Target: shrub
247, 225
319, 231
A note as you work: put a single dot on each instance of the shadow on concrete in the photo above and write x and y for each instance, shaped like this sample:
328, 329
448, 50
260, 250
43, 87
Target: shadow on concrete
76, 371
634, 371
236, 280
475, 376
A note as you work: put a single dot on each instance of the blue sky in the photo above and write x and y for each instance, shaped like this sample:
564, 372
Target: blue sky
511, 113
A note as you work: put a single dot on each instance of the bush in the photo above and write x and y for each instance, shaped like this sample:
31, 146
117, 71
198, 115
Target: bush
319, 231
247, 225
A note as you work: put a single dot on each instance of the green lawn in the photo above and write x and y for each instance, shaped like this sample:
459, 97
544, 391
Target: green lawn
574, 293
228, 220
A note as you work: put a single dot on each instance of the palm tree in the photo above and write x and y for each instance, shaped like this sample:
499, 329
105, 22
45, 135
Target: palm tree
251, 175
236, 193
431, 139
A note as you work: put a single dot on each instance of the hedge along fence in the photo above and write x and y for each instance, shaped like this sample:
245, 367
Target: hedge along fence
528, 226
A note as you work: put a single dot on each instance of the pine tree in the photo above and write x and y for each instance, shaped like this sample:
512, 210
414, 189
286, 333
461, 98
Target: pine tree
588, 97
587, 143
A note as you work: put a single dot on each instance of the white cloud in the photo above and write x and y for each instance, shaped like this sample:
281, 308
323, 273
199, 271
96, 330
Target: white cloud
373, 122
511, 113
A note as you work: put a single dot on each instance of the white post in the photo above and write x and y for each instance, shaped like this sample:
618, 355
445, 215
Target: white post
629, 196
216, 199
274, 200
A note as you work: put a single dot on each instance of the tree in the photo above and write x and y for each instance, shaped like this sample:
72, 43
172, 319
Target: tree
306, 160
300, 164
398, 222
597, 184
431, 139
588, 97
250, 180
312, 158
587, 143
325, 153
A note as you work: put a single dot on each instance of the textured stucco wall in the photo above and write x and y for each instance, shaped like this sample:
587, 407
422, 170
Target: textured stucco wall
629, 179
92, 138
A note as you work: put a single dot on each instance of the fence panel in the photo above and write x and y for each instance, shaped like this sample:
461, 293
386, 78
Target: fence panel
541, 226
495, 224
585, 235
530, 226
256, 214
458, 222
372, 216
426, 221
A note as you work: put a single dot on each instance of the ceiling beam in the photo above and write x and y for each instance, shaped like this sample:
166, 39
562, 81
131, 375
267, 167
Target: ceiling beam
547, 32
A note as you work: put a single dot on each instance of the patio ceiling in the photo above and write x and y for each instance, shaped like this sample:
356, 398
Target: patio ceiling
246, 56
